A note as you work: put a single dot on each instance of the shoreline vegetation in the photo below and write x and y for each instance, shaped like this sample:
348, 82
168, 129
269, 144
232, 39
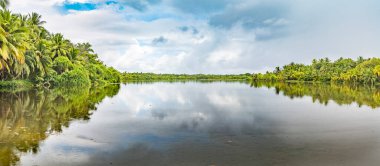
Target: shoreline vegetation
131, 77
16, 84
32, 56
343, 70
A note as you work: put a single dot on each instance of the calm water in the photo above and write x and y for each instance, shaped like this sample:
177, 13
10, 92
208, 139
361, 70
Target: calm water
192, 124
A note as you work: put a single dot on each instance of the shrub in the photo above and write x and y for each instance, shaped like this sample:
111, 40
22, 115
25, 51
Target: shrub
77, 77
62, 64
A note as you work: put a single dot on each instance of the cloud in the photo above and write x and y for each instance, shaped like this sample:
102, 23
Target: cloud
214, 36
250, 15
268, 20
199, 6
192, 29
140, 5
159, 40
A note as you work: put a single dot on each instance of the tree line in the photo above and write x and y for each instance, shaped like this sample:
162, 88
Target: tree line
30, 52
362, 70
178, 77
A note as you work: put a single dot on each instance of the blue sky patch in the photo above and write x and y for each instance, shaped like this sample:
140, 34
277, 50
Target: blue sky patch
111, 2
77, 6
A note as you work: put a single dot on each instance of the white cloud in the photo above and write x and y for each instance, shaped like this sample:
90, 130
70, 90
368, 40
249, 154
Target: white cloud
295, 31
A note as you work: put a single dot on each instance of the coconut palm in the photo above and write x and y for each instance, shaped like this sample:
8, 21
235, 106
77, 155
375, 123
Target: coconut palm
13, 40
85, 47
43, 61
60, 46
35, 20
35, 25
4, 4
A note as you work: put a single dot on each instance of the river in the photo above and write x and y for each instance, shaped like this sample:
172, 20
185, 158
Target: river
192, 123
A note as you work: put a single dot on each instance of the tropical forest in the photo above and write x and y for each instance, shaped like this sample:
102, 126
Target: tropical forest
30, 55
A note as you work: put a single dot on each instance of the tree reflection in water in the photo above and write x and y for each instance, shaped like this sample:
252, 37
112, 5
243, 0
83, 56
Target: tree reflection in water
28, 117
342, 94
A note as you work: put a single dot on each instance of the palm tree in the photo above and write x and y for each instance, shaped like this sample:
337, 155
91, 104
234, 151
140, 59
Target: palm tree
42, 60
23, 70
13, 40
60, 46
85, 47
4, 4
36, 27
73, 53
360, 59
277, 70
85, 52
35, 20
38, 59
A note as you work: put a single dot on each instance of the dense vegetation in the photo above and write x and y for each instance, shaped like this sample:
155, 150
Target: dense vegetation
29, 52
362, 70
179, 77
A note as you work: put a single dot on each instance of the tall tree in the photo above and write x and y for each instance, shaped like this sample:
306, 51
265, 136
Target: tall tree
60, 46
13, 40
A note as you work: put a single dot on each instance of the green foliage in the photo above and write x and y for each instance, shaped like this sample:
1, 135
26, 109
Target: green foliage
4, 3
173, 77
77, 77
365, 71
112, 75
62, 64
15, 84
100, 74
29, 52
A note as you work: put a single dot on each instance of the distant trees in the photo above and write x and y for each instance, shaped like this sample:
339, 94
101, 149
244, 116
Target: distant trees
342, 70
173, 77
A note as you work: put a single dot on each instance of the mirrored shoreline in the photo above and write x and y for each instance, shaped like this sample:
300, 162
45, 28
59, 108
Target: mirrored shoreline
191, 123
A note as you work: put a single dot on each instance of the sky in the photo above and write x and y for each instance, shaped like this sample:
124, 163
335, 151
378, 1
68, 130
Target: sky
213, 36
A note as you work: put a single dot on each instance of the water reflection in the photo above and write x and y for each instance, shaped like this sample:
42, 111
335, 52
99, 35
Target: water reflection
341, 94
27, 118
193, 123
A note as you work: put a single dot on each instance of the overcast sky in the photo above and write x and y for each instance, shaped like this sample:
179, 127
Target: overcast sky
213, 36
